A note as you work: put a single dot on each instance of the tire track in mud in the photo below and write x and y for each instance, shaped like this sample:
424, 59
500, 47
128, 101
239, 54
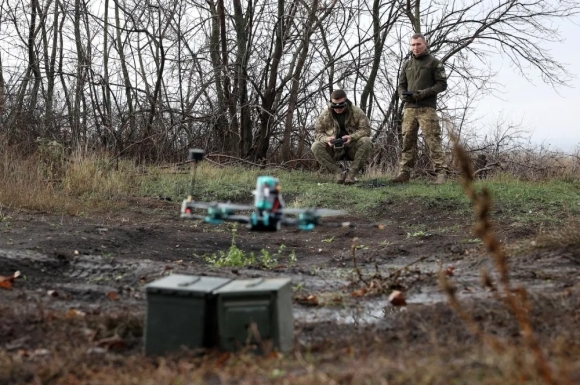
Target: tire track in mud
77, 278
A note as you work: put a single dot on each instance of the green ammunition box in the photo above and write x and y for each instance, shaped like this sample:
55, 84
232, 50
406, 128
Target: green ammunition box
181, 313
255, 313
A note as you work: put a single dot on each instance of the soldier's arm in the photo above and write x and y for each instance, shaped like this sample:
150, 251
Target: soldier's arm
402, 86
440, 79
363, 126
320, 130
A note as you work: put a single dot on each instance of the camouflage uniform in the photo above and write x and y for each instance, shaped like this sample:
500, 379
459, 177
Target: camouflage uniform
427, 74
358, 150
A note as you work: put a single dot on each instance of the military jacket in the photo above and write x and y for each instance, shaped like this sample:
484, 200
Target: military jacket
423, 73
356, 124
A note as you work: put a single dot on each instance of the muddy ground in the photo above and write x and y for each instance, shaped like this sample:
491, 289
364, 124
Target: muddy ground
81, 266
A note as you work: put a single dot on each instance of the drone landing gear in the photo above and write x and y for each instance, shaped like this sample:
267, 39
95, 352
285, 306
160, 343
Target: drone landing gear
265, 222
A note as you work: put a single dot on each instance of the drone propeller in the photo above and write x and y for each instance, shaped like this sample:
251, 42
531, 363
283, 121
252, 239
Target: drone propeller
217, 205
238, 218
314, 212
216, 220
192, 216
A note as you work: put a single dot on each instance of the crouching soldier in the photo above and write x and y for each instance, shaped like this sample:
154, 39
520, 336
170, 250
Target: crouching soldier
342, 131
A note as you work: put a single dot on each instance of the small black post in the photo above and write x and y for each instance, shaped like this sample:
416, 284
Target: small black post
195, 155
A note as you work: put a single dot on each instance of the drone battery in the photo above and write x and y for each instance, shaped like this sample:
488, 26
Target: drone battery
256, 314
181, 313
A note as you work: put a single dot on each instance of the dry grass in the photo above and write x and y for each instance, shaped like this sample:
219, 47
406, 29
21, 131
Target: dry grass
52, 181
423, 345
567, 238
515, 299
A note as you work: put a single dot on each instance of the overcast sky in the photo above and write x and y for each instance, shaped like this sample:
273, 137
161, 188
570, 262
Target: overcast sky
553, 115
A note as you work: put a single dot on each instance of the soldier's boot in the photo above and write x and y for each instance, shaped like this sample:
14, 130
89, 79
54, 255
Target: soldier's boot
403, 177
441, 179
340, 177
350, 178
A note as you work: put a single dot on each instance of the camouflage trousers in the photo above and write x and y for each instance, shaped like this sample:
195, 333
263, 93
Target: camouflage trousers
427, 119
358, 151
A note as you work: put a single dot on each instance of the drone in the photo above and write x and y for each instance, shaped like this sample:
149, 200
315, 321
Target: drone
268, 213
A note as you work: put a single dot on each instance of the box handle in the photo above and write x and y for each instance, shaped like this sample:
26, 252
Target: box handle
188, 283
255, 283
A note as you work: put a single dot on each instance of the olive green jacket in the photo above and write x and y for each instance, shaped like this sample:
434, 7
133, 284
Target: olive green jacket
423, 73
356, 124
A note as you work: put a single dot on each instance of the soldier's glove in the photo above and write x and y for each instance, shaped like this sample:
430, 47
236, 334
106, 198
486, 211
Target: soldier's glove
420, 95
407, 98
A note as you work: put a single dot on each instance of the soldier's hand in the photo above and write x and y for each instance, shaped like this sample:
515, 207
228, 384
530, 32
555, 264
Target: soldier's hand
407, 98
347, 139
420, 95
329, 141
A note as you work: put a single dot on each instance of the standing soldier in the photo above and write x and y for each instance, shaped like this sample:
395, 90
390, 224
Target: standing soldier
342, 120
422, 78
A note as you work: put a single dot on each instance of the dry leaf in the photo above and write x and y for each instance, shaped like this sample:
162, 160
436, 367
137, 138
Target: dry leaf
449, 271
33, 353
274, 354
111, 343
397, 298
337, 299
223, 358
7, 282
90, 334
39, 353
359, 293
96, 351
113, 295
310, 300
72, 313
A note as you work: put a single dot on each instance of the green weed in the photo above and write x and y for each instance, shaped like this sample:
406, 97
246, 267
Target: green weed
234, 256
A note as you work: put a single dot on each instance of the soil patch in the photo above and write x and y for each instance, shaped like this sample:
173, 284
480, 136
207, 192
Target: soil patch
89, 273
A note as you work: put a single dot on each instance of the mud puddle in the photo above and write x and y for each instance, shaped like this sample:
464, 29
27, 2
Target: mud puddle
98, 281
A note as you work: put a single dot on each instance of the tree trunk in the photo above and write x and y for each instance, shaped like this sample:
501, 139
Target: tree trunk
221, 122
243, 30
127, 81
303, 53
233, 131
379, 39
106, 91
262, 140
50, 68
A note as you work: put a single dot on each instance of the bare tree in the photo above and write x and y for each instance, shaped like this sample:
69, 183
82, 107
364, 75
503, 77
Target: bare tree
248, 79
